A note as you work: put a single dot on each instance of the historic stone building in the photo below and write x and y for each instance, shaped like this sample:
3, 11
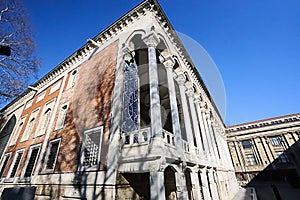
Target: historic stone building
266, 155
126, 116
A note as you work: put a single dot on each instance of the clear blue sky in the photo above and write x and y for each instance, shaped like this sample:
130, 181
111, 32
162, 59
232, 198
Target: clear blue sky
255, 44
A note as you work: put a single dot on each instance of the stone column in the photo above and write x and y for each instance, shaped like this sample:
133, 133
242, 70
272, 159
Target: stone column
215, 134
267, 149
203, 131
210, 136
261, 151
181, 81
194, 117
157, 187
181, 190
169, 63
213, 185
204, 182
239, 155
256, 151
207, 133
229, 160
195, 185
152, 40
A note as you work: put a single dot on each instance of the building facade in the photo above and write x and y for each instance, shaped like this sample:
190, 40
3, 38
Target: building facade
266, 155
126, 116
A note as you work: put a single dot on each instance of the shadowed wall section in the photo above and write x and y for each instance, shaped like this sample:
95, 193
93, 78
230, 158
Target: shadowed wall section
90, 105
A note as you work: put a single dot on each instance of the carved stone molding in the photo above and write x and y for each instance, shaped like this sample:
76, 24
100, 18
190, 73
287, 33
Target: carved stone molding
151, 40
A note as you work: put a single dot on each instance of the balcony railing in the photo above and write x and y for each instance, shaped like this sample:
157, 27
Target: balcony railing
186, 146
169, 138
136, 137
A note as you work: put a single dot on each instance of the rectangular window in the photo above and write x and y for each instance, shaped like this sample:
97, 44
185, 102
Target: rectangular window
275, 140
4, 164
246, 144
251, 159
32, 160
52, 155
16, 164
55, 87
90, 152
41, 96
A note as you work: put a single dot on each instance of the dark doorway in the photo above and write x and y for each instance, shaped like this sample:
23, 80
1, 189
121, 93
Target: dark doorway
133, 185
170, 183
187, 174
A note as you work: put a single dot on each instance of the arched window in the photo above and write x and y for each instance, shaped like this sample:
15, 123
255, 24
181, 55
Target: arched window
44, 122
6, 132
72, 79
130, 98
136, 89
17, 133
61, 117
29, 129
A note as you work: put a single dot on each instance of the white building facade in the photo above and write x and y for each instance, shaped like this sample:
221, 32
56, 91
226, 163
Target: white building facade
127, 116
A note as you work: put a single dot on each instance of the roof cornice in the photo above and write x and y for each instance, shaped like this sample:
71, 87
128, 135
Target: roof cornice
111, 31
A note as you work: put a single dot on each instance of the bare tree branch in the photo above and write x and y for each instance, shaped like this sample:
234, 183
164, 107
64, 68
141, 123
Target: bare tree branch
21, 67
3, 11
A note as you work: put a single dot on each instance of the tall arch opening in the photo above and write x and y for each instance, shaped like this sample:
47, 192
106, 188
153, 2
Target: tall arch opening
6, 132
170, 183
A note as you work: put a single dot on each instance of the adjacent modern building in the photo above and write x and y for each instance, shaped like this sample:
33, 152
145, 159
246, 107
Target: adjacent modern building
126, 116
266, 155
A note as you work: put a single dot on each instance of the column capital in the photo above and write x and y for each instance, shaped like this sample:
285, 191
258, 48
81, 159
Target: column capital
202, 170
197, 99
181, 79
190, 91
151, 40
128, 54
169, 62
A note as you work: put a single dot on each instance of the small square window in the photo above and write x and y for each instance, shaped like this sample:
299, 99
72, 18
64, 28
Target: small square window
246, 144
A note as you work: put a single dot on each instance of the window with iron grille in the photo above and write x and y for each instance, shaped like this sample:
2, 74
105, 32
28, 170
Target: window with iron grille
31, 162
52, 154
275, 140
16, 164
4, 164
90, 157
